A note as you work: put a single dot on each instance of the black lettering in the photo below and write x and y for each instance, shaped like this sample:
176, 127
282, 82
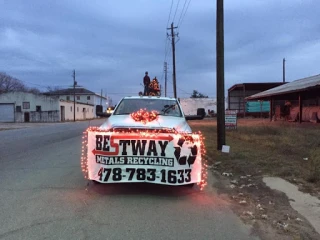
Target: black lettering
152, 176
163, 146
124, 148
172, 176
105, 143
152, 148
138, 147
181, 176
188, 172
116, 174
132, 171
98, 142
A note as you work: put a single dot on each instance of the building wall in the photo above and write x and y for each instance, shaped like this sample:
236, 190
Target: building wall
79, 98
83, 111
27, 105
94, 100
31, 101
236, 99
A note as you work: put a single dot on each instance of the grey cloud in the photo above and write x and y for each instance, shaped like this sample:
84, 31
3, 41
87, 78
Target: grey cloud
112, 42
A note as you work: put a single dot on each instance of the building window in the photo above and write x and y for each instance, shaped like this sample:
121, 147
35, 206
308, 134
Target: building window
18, 108
68, 98
26, 105
71, 109
78, 97
38, 108
88, 97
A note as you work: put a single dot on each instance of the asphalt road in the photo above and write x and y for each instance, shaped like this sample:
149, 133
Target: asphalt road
43, 195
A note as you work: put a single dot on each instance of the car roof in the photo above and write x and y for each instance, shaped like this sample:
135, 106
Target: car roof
149, 97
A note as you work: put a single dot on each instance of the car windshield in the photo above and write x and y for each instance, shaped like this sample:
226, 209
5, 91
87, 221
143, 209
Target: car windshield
162, 106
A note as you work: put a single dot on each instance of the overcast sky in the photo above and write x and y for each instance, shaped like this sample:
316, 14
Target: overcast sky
111, 44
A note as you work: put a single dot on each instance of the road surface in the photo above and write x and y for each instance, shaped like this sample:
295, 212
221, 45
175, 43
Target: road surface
43, 195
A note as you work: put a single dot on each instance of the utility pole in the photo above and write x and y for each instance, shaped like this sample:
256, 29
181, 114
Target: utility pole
221, 130
165, 78
173, 59
74, 95
284, 70
101, 99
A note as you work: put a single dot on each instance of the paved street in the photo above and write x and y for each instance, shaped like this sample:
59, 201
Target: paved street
43, 196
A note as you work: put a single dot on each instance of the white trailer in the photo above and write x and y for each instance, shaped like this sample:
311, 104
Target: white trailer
190, 105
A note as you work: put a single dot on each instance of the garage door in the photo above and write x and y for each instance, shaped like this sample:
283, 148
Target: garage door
6, 112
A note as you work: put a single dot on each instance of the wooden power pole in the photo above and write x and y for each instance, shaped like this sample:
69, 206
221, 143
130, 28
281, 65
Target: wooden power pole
173, 60
165, 78
74, 95
221, 131
284, 70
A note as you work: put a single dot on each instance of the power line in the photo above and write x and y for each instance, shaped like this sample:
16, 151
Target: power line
182, 18
169, 14
176, 11
182, 12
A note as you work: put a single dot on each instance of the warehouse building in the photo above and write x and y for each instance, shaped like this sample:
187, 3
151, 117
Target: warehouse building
301, 97
30, 107
238, 93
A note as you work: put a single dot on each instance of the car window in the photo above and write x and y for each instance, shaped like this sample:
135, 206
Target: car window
162, 106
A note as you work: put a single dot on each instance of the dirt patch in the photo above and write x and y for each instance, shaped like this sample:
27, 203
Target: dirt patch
260, 148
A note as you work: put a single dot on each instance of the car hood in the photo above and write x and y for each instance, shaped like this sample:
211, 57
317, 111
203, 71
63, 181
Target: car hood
125, 121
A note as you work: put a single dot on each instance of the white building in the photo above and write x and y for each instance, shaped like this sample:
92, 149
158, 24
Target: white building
190, 105
29, 107
82, 96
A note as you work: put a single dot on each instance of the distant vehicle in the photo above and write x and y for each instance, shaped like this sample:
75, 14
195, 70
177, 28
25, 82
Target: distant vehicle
110, 110
146, 139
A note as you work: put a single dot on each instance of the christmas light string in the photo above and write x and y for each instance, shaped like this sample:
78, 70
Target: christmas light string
144, 116
189, 137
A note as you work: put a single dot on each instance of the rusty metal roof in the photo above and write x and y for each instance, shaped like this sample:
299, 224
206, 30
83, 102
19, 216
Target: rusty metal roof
260, 86
295, 86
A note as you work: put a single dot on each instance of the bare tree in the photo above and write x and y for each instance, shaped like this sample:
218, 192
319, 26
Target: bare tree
34, 90
53, 88
10, 84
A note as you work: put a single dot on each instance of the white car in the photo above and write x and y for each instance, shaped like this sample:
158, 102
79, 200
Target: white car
145, 139
170, 114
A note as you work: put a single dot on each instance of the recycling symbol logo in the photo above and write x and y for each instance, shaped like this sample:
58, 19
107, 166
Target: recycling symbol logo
184, 156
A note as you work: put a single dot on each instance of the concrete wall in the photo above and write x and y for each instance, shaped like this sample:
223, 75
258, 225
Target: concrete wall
83, 111
44, 116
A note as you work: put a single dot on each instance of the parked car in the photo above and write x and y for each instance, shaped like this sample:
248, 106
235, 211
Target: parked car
145, 139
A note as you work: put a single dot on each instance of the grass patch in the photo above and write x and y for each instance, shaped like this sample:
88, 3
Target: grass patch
262, 147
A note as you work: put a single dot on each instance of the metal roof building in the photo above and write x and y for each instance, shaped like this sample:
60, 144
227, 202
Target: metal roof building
302, 90
237, 94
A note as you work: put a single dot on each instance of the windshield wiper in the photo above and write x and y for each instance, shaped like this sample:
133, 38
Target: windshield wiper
167, 108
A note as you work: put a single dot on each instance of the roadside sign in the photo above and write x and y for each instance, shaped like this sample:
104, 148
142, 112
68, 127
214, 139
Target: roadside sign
231, 119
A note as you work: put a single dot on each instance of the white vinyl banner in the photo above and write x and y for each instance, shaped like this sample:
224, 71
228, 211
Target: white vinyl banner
131, 157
